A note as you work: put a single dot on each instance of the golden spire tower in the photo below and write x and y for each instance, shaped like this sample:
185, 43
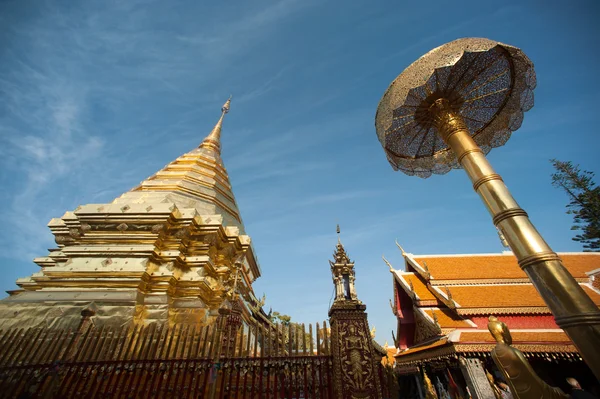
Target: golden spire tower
167, 251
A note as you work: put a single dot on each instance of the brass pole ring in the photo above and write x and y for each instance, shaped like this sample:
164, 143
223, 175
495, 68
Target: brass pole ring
485, 179
537, 258
467, 152
508, 213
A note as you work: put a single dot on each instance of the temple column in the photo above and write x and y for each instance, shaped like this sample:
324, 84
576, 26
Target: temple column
355, 372
355, 361
478, 383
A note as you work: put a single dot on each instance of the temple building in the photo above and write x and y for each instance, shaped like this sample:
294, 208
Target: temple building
171, 250
442, 304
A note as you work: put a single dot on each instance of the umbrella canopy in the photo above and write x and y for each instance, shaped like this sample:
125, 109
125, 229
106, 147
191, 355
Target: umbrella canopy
489, 84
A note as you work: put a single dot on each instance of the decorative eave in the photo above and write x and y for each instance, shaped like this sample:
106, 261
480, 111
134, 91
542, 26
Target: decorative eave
525, 348
425, 346
504, 311
500, 281
442, 349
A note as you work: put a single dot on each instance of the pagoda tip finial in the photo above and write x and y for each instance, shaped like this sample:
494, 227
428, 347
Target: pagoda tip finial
338, 233
213, 140
225, 107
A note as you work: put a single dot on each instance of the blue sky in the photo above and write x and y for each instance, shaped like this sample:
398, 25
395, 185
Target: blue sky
97, 95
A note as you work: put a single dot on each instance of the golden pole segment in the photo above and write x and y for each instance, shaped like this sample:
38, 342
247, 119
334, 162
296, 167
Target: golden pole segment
573, 310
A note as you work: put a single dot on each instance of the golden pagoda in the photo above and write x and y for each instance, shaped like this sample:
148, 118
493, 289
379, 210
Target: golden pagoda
172, 250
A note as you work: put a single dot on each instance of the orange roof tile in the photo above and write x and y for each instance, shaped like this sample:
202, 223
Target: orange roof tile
518, 336
498, 266
420, 288
503, 296
447, 318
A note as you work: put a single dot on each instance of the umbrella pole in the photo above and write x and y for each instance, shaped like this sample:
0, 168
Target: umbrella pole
572, 308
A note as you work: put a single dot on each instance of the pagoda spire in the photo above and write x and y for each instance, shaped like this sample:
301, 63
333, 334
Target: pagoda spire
342, 270
197, 179
213, 140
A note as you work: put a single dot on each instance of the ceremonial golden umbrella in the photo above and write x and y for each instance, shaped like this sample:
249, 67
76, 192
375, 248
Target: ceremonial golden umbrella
450, 108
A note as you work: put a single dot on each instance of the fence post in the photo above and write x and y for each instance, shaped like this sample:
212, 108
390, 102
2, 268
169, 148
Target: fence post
355, 368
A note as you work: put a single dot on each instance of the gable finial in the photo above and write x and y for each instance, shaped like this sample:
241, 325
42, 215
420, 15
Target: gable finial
400, 247
387, 263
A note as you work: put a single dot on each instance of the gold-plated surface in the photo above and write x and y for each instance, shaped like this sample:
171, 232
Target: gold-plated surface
213, 140
489, 84
499, 331
429, 119
573, 310
523, 380
171, 251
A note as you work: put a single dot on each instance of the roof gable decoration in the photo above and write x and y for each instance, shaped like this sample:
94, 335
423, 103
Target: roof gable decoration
425, 326
392, 270
394, 311
409, 259
445, 297
435, 320
407, 285
423, 270
412, 290
409, 288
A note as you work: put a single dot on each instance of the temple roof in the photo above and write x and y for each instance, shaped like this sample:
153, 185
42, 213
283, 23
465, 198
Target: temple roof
340, 256
447, 318
457, 293
523, 337
197, 179
498, 296
497, 266
412, 282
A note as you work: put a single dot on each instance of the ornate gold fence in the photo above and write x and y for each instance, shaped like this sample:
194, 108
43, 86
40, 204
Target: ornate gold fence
217, 361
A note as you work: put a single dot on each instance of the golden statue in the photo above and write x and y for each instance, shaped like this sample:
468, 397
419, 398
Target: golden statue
495, 388
523, 381
499, 331
430, 392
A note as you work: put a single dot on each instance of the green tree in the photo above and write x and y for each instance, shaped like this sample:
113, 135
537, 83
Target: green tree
281, 318
296, 327
584, 202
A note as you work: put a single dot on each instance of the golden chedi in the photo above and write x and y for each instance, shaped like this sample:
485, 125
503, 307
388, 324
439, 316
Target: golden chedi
167, 251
